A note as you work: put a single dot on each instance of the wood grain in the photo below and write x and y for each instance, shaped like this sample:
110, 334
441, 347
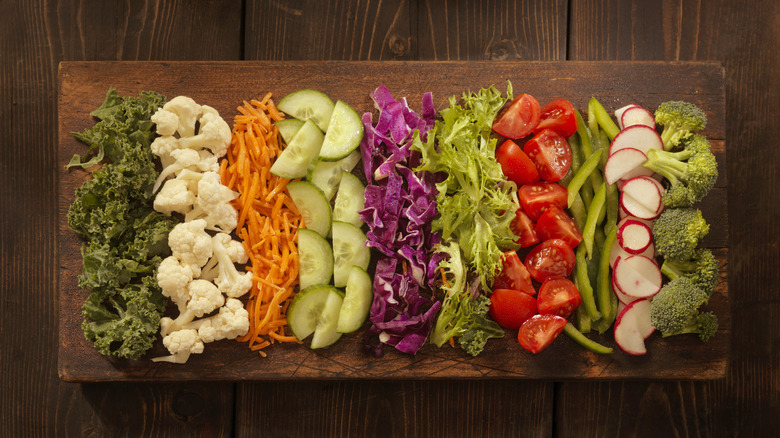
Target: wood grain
82, 86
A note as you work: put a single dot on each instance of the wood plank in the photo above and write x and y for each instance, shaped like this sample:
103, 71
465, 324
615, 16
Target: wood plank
34, 37
83, 86
719, 31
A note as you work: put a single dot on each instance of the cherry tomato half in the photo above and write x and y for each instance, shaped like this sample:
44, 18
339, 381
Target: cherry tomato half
558, 115
538, 332
554, 223
511, 308
558, 296
516, 165
524, 227
550, 259
550, 153
514, 275
518, 118
536, 198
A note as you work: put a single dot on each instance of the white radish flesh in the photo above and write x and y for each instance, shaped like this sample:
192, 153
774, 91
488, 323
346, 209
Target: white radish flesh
622, 297
623, 162
634, 236
637, 115
631, 327
618, 251
638, 276
639, 137
619, 113
641, 197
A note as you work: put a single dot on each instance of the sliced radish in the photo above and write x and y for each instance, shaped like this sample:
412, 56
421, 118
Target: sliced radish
619, 113
624, 162
638, 276
618, 251
637, 115
625, 217
621, 296
641, 197
631, 327
639, 137
634, 236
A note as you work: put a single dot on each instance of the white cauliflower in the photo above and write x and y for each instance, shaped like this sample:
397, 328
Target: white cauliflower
204, 298
213, 133
174, 196
181, 344
163, 146
191, 244
231, 322
223, 271
173, 278
213, 204
166, 121
187, 112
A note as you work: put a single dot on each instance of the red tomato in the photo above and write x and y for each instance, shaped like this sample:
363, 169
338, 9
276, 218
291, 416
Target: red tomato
516, 165
550, 153
518, 118
536, 198
558, 296
514, 275
558, 115
554, 223
511, 308
523, 226
550, 259
538, 332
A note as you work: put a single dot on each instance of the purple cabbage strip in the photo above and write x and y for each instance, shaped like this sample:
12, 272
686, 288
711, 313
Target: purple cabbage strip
400, 205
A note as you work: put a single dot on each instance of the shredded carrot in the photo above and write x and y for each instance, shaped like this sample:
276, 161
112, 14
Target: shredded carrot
268, 221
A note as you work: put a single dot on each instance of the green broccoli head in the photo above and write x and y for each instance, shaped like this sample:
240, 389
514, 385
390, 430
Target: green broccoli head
678, 231
702, 269
680, 120
675, 310
691, 172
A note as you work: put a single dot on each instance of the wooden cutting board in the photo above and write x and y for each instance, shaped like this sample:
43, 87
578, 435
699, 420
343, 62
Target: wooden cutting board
224, 85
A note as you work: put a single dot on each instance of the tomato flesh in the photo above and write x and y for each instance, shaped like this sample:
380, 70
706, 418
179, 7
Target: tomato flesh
536, 198
558, 115
539, 331
550, 259
558, 296
554, 223
524, 228
519, 118
550, 153
514, 275
516, 165
511, 308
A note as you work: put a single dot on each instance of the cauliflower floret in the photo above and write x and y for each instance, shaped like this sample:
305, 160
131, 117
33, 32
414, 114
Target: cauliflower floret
204, 298
173, 278
191, 244
174, 196
221, 267
231, 322
166, 121
187, 111
181, 344
213, 133
213, 204
163, 146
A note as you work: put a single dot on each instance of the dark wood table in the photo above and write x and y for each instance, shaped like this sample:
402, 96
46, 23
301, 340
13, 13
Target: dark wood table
37, 35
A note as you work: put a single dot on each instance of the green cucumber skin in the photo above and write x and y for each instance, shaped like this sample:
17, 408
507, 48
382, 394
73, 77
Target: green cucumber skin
350, 200
344, 134
300, 152
357, 301
313, 206
298, 104
312, 245
345, 234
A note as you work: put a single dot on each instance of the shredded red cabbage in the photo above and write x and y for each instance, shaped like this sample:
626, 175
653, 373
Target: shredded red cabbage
399, 207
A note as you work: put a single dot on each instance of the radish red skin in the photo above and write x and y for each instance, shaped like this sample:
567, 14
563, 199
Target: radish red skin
637, 115
634, 236
638, 276
641, 197
630, 328
638, 137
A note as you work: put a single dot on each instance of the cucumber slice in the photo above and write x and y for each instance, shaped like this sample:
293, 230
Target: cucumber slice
308, 104
300, 152
315, 258
357, 301
349, 249
350, 199
327, 174
344, 133
313, 310
288, 128
313, 206
325, 333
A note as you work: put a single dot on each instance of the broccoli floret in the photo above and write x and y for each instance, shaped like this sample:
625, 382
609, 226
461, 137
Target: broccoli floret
680, 120
702, 269
675, 310
677, 232
691, 172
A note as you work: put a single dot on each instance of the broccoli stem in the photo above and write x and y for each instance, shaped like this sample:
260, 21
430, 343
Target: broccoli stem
581, 339
671, 165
